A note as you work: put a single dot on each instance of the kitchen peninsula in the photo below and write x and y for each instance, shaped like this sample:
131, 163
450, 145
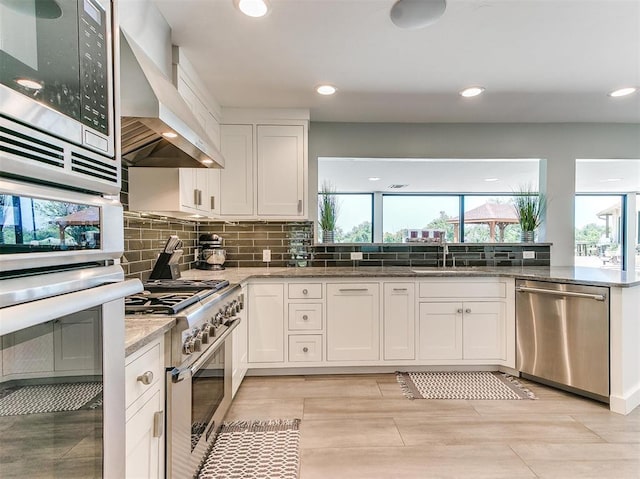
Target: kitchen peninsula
294, 311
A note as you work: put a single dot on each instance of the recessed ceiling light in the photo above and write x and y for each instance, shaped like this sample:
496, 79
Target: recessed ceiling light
374, 178
253, 8
170, 134
613, 180
472, 91
326, 89
623, 92
491, 179
30, 84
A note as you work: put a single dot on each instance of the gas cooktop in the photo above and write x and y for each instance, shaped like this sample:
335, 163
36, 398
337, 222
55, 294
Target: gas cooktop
185, 284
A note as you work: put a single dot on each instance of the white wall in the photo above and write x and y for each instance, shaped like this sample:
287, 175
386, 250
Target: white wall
558, 144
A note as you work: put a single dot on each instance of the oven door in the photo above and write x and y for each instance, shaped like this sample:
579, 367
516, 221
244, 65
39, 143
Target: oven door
198, 398
56, 69
43, 227
62, 382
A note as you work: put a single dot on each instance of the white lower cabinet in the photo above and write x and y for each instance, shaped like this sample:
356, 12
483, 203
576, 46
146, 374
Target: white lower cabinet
381, 322
353, 321
484, 330
305, 348
463, 330
266, 323
144, 398
440, 331
239, 342
399, 321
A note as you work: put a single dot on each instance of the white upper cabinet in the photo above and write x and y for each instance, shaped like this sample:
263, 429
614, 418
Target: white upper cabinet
265, 175
280, 162
179, 192
236, 180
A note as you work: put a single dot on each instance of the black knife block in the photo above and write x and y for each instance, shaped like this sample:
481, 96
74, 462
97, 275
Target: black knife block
163, 270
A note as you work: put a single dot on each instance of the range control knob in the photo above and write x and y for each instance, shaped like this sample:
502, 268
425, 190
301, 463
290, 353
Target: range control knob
187, 347
197, 344
204, 335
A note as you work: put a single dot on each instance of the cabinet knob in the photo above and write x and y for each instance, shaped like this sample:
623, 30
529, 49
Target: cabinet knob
146, 378
305, 317
468, 310
305, 349
459, 310
305, 291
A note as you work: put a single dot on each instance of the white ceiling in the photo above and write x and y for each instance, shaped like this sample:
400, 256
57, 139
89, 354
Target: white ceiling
464, 175
540, 60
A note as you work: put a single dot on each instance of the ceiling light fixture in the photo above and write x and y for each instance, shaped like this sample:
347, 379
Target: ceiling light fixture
416, 13
623, 92
170, 134
253, 8
491, 179
472, 91
326, 89
30, 84
374, 178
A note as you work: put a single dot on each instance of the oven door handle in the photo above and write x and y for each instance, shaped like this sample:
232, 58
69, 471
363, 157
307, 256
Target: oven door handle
179, 374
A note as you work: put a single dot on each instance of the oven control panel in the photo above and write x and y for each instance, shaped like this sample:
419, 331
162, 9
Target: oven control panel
199, 337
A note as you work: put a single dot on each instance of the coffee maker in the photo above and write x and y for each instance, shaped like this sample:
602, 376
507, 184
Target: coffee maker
211, 256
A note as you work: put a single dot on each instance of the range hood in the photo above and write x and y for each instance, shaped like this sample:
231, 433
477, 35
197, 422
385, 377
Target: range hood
151, 108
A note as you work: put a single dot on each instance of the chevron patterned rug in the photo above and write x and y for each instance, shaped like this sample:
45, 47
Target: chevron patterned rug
477, 385
254, 449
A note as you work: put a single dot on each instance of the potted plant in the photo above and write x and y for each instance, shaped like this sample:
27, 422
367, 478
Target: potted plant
530, 206
328, 212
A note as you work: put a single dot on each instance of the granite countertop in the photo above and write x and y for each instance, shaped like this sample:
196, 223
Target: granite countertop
141, 331
575, 275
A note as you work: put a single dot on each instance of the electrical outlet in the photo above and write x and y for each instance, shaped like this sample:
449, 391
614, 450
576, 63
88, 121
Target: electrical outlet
266, 255
357, 255
528, 255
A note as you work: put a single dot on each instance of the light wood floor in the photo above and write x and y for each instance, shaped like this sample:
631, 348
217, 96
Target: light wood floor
361, 426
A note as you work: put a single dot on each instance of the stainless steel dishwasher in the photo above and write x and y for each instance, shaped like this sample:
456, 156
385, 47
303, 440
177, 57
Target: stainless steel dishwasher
563, 336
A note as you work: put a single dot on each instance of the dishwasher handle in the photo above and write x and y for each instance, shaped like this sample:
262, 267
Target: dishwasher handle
527, 289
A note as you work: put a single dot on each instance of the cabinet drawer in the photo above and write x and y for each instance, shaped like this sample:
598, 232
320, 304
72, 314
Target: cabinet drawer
148, 361
305, 316
306, 348
305, 291
463, 289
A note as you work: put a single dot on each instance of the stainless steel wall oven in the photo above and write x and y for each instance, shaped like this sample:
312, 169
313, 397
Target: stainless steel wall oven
61, 333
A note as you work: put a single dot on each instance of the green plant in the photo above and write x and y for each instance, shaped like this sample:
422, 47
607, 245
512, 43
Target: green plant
328, 206
530, 206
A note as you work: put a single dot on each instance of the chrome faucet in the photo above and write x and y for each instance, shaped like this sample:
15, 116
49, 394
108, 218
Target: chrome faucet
445, 252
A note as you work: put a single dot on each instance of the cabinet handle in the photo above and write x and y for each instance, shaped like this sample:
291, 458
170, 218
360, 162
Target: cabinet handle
305, 291
195, 197
468, 310
146, 378
459, 310
400, 289
347, 290
213, 202
305, 349
305, 317
299, 206
200, 197
158, 424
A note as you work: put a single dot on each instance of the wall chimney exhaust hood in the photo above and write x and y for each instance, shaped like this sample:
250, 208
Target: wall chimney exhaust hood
158, 128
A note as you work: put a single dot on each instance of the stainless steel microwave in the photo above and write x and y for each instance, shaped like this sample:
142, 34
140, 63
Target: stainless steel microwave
57, 92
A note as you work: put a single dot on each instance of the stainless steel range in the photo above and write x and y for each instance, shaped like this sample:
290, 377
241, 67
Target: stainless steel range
199, 379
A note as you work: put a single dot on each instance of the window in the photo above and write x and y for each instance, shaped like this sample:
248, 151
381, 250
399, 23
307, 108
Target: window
402, 213
354, 218
490, 219
598, 231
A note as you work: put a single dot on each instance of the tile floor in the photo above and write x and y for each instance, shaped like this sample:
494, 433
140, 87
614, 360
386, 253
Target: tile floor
361, 426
